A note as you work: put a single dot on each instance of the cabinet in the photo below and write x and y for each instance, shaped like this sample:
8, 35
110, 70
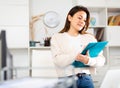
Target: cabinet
42, 63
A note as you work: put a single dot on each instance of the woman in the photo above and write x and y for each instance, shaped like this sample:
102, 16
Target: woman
67, 46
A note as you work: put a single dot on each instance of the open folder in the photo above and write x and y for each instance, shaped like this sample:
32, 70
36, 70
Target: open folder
94, 49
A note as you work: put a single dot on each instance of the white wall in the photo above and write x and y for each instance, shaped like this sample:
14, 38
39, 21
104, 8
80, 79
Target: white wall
42, 6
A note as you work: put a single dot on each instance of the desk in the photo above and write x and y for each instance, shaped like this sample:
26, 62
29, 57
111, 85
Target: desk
112, 79
29, 82
36, 82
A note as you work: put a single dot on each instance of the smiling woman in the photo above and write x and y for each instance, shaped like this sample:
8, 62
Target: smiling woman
67, 46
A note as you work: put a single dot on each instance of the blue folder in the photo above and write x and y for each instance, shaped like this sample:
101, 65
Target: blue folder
94, 49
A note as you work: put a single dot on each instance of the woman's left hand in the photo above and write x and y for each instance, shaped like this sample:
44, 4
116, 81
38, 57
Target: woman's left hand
83, 58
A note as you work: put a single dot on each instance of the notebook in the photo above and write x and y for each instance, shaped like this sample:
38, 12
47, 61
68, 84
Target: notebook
94, 49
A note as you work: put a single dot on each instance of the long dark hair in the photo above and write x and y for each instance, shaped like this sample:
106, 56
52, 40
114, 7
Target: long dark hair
74, 10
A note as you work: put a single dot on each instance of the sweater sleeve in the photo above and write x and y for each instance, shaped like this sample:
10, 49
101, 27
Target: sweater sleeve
97, 61
61, 59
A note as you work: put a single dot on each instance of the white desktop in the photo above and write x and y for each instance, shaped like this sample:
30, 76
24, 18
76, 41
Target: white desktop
111, 79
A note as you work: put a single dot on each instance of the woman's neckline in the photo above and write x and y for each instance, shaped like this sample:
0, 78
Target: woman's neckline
72, 35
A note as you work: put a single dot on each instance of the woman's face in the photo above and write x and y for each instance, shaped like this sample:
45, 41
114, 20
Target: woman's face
78, 20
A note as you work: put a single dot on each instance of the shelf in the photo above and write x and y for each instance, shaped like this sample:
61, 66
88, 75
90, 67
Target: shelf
40, 47
97, 26
114, 46
18, 48
113, 27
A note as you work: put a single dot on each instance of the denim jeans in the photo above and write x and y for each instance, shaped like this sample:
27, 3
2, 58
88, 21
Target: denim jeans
84, 81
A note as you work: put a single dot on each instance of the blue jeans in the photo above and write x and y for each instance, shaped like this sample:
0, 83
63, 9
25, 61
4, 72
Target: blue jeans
85, 82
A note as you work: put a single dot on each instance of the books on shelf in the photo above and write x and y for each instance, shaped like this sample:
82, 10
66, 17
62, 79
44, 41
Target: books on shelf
94, 49
114, 20
117, 20
111, 20
99, 34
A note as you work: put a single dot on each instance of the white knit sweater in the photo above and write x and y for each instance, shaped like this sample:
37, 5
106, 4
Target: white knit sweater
65, 48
